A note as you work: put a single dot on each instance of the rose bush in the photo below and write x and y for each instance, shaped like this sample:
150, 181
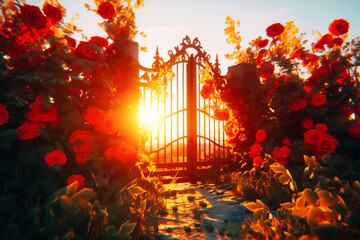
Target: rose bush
298, 89
307, 104
63, 108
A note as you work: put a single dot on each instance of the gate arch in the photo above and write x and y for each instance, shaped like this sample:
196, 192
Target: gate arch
187, 137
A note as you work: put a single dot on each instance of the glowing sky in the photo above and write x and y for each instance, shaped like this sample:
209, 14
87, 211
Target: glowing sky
166, 22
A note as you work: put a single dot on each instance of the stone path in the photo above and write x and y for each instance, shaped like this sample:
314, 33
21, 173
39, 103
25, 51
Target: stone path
201, 212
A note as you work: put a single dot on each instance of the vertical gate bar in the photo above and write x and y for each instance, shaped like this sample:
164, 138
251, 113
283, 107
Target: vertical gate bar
209, 133
214, 129
204, 132
198, 107
218, 140
223, 138
164, 123
191, 118
143, 109
183, 113
171, 122
151, 111
177, 115
158, 132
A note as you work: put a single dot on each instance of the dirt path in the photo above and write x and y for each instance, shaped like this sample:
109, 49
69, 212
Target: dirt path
201, 212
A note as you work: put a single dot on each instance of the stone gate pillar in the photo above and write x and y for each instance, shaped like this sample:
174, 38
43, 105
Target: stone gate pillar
129, 94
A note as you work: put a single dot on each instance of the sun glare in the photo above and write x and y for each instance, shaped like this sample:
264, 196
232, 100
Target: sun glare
150, 120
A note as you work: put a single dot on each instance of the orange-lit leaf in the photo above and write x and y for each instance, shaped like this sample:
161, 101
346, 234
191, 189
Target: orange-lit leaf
301, 212
255, 227
251, 206
287, 205
137, 190
263, 205
71, 189
325, 198
143, 49
314, 216
257, 213
278, 168
300, 202
292, 187
356, 185
288, 235
309, 196
309, 160
284, 178
127, 227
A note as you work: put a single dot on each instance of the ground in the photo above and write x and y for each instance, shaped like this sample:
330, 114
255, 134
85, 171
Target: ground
201, 211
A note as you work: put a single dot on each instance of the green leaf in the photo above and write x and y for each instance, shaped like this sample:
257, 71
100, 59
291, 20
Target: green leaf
84, 194
127, 228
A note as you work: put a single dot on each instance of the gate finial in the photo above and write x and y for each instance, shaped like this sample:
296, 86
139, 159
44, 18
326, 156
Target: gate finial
158, 60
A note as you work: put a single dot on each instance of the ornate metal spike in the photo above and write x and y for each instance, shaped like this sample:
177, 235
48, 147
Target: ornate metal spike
158, 60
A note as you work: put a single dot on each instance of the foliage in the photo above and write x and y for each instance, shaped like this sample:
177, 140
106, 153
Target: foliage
64, 116
328, 211
285, 101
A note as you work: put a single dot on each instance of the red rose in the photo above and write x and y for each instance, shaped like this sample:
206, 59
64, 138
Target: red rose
354, 131
339, 27
298, 104
106, 10
107, 124
100, 41
4, 115
326, 39
82, 157
71, 41
41, 114
267, 70
318, 99
258, 161
54, 13
337, 42
319, 141
255, 150
284, 152
287, 142
221, 114
281, 155
55, 157
29, 130
326, 144
32, 16
122, 153
93, 115
260, 135
206, 91
322, 127
86, 51
275, 30
307, 123
110, 153
322, 71
83, 138
263, 43
76, 178
312, 136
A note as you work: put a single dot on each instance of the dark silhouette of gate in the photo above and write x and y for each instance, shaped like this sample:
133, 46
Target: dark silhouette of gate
186, 137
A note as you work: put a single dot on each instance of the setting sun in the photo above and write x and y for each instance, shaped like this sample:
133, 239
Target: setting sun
149, 119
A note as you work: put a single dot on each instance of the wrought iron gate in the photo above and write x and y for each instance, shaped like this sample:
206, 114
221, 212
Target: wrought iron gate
187, 137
